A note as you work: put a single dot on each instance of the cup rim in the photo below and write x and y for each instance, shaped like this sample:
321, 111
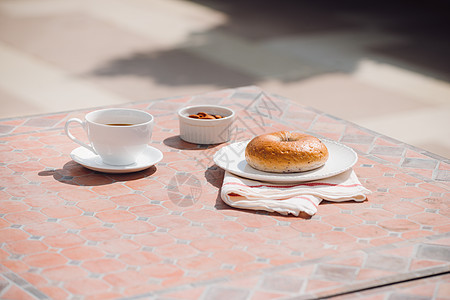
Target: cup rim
205, 106
89, 115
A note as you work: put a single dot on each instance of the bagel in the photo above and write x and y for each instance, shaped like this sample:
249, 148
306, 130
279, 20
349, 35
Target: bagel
286, 152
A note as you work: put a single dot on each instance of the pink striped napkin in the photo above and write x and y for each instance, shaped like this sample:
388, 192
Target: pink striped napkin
291, 198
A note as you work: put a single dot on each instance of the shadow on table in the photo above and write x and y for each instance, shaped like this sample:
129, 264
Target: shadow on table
177, 143
75, 174
214, 176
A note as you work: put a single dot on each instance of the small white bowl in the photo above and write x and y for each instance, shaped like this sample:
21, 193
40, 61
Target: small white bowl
205, 131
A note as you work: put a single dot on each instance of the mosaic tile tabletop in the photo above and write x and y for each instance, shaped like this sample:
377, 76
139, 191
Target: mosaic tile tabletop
70, 233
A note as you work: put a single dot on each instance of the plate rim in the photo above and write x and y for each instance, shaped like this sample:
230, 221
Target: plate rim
117, 169
288, 177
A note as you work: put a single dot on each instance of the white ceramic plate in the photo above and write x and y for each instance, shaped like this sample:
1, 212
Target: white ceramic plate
232, 158
92, 161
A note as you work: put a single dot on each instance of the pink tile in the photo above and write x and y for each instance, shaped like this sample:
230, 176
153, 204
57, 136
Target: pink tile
385, 240
103, 265
187, 233
211, 244
80, 222
129, 200
12, 207
224, 227
119, 246
45, 260
399, 225
199, 263
245, 238
26, 191
135, 227
335, 237
176, 251
341, 220
29, 166
233, 257
430, 219
355, 261
45, 200
64, 273
111, 189
115, 216
278, 232
203, 215
96, 205
140, 258
62, 211
162, 271
374, 215
311, 226
416, 234
408, 192
64, 240
99, 234
303, 244
154, 239
26, 247
77, 195
270, 251
367, 231
170, 221
26, 217
147, 210
82, 252
86, 286
45, 229
16, 266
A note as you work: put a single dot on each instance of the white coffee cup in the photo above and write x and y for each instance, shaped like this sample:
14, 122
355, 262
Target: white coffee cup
117, 135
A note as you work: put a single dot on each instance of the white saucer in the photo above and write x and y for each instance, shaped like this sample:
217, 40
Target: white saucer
232, 158
92, 161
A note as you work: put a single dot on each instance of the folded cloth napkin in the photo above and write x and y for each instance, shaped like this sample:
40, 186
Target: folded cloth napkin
292, 198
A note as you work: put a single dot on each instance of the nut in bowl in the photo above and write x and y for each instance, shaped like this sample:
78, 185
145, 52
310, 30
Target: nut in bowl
205, 124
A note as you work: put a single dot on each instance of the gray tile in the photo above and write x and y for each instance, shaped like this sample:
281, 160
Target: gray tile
336, 273
41, 122
16, 279
400, 296
282, 283
433, 252
443, 175
6, 129
37, 293
387, 150
419, 163
358, 139
3, 284
389, 263
224, 293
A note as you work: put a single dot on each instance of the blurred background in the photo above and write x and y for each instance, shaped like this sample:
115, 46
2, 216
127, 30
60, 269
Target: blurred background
383, 65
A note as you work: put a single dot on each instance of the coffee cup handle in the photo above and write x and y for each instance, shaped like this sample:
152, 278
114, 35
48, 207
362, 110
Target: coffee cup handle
83, 124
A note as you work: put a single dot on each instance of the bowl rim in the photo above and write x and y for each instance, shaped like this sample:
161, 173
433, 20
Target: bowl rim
205, 106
